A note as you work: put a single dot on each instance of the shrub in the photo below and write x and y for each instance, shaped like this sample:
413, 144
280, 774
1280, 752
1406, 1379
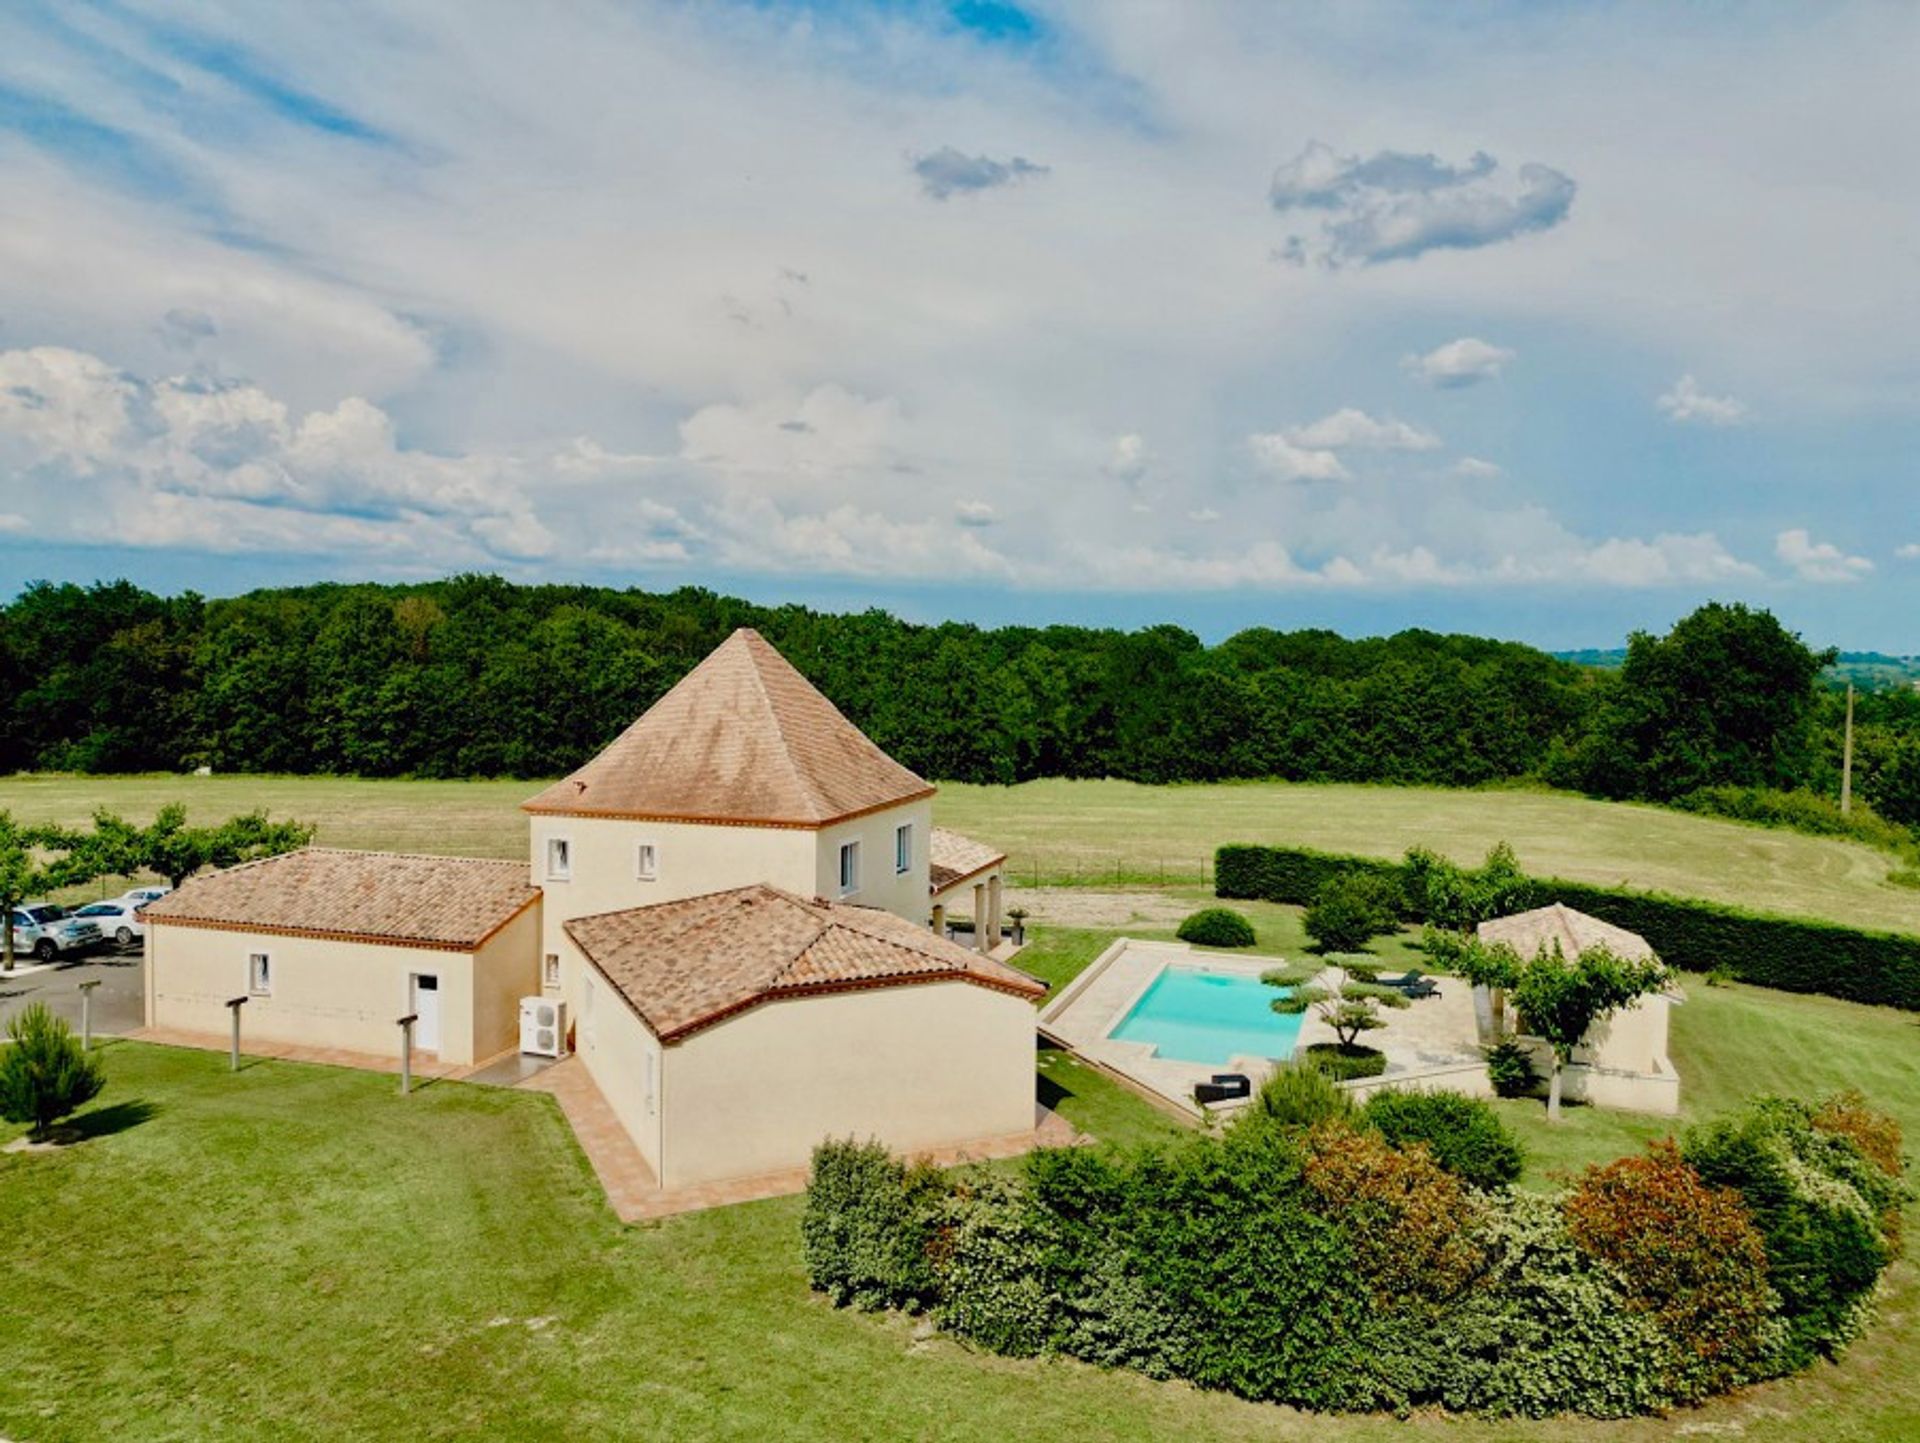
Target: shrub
1797, 811
44, 1076
1407, 1220
1547, 1329
868, 1226
1297, 1095
1792, 954
1689, 1255
1216, 927
1821, 1206
1510, 1069
991, 1266
1344, 1064
1349, 912
1464, 1134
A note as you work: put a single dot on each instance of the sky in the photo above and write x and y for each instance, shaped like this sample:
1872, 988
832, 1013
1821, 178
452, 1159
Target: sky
1541, 320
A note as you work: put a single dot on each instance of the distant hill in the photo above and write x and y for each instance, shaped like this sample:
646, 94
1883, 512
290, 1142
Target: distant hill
1865, 669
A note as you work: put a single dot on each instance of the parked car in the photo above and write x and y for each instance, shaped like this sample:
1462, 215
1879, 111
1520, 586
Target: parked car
140, 896
118, 919
45, 930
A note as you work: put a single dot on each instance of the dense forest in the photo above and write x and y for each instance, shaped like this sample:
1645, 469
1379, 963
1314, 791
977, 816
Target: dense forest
476, 676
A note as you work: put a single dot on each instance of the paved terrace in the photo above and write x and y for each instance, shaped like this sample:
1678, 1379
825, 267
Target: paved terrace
1431, 1039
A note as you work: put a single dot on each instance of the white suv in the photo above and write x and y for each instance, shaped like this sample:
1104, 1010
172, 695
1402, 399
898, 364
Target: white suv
46, 931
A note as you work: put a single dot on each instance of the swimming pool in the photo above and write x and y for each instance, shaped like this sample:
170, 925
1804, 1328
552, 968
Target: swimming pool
1192, 1015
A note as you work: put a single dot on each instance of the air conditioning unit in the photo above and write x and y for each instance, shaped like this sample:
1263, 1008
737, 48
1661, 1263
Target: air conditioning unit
543, 1026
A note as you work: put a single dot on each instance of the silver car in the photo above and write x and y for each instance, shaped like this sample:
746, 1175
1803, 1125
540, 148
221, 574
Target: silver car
45, 930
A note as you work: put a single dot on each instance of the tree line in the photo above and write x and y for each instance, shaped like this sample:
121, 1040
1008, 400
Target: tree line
477, 676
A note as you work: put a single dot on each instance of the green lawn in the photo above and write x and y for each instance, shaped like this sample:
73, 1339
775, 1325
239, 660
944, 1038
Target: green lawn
1087, 831
298, 1253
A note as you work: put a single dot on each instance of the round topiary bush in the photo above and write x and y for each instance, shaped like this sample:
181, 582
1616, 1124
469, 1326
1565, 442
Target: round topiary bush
1464, 1134
1216, 927
1343, 1064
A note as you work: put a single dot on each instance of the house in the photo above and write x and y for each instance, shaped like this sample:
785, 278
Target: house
1623, 1061
739, 903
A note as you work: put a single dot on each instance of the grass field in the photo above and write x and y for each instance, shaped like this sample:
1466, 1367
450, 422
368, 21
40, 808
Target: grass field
1086, 831
298, 1253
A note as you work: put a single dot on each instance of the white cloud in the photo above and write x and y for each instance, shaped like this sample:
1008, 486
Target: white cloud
1818, 561
1349, 428
1909, 552
780, 440
1687, 402
974, 513
1472, 468
853, 541
1288, 462
1464, 362
1205, 515
1393, 205
13, 523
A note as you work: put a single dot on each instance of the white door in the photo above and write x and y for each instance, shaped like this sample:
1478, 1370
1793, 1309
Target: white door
426, 1008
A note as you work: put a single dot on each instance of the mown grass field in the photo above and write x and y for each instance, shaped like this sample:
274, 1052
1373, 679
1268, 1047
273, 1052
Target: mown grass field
296, 1252
1089, 831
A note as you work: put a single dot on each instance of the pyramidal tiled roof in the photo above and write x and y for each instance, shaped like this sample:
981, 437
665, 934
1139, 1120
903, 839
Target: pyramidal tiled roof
743, 737
686, 965
1534, 932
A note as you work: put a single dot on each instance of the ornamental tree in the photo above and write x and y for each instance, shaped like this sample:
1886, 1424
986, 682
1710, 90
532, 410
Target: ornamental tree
1347, 1006
1561, 1001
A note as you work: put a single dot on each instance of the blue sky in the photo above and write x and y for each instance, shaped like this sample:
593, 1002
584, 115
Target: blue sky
1546, 321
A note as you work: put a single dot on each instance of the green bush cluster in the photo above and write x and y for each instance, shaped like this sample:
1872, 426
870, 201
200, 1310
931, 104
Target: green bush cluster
868, 1226
1464, 1134
1311, 1256
1792, 954
1343, 1062
1828, 1213
1798, 811
1351, 910
44, 1075
1216, 927
1510, 1069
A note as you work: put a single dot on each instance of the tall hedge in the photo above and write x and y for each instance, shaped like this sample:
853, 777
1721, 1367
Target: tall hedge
1792, 954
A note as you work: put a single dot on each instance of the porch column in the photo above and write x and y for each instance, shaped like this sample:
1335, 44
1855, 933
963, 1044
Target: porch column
980, 916
993, 912
939, 923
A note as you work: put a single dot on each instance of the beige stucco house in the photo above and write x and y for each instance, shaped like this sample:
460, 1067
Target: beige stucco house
739, 902
1623, 1061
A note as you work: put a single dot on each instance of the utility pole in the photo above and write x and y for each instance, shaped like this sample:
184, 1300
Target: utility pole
1846, 759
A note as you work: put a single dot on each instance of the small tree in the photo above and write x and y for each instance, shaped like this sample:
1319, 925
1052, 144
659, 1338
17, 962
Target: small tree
176, 851
44, 1076
1351, 910
1348, 1007
1492, 965
1561, 1001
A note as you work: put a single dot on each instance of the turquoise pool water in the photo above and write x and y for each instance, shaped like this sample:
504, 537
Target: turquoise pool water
1192, 1015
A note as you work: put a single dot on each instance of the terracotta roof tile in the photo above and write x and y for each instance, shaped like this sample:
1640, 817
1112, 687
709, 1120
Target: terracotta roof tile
452, 902
953, 858
1530, 933
743, 737
685, 965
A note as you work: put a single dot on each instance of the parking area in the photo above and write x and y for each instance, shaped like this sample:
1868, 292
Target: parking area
118, 1005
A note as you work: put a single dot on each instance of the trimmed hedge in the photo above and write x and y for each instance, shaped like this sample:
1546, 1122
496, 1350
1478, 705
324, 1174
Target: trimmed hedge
1792, 954
1216, 927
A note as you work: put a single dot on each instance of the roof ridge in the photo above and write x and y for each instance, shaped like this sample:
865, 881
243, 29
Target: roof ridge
748, 636
388, 852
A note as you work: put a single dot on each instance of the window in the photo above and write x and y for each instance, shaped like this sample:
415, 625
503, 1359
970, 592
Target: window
849, 867
550, 970
559, 859
903, 847
259, 974
646, 862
